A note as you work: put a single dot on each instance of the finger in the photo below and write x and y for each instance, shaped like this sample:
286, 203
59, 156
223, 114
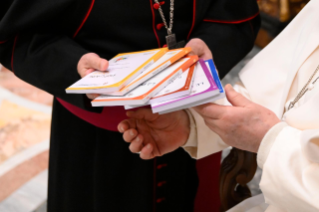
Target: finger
93, 61
192, 53
130, 135
200, 49
207, 55
88, 71
147, 152
143, 113
235, 98
136, 145
125, 125
211, 110
92, 96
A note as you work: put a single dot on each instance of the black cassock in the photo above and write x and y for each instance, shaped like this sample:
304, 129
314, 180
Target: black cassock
91, 168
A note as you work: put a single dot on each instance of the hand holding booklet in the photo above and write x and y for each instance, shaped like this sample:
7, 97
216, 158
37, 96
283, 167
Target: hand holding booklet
148, 89
166, 80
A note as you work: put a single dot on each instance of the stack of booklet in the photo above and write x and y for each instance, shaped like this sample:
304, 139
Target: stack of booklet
167, 80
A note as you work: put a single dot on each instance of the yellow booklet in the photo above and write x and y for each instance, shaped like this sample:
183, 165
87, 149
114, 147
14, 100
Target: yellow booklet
165, 61
122, 69
148, 89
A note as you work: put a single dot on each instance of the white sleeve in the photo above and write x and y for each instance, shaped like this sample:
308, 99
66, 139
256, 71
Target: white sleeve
290, 161
202, 141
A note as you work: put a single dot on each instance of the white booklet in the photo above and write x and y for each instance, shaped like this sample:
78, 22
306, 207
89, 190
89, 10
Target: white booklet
179, 87
148, 89
204, 90
122, 69
166, 60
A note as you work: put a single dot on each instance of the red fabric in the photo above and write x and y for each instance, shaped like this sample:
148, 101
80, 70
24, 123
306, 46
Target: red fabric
13, 48
194, 18
108, 119
153, 21
232, 22
207, 198
85, 18
154, 185
1, 42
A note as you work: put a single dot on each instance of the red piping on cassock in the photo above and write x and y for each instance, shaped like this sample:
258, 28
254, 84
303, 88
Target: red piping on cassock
14, 46
85, 18
154, 185
232, 22
154, 29
194, 19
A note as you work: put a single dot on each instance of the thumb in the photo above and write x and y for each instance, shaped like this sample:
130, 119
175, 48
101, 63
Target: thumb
199, 48
93, 61
235, 98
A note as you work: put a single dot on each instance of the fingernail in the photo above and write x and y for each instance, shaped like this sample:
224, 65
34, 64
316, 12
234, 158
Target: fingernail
132, 133
229, 86
148, 146
138, 139
121, 129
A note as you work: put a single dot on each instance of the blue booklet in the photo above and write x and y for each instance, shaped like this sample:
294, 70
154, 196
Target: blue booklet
206, 88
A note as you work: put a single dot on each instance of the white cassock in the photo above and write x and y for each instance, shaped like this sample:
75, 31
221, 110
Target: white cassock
289, 152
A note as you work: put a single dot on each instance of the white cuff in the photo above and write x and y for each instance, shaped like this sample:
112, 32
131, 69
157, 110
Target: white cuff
191, 144
192, 138
267, 143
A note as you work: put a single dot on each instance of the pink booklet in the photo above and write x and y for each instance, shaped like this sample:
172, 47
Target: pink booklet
204, 90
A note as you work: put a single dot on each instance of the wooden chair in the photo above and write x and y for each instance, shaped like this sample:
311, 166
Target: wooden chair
237, 169
276, 15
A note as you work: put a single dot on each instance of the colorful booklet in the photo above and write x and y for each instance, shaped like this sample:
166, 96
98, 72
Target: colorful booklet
148, 89
179, 87
204, 90
211, 66
165, 61
122, 69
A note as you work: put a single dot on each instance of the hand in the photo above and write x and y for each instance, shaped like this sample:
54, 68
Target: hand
242, 125
200, 49
154, 135
88, 63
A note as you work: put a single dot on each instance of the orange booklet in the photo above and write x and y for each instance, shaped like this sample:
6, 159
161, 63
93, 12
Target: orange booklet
165, 61
148, 89
122, 70
180, 87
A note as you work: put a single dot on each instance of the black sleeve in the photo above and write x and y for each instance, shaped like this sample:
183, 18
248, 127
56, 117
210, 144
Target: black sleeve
28, 47
229, 28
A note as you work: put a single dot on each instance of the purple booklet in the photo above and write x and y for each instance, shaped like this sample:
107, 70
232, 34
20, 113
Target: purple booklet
204, 90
